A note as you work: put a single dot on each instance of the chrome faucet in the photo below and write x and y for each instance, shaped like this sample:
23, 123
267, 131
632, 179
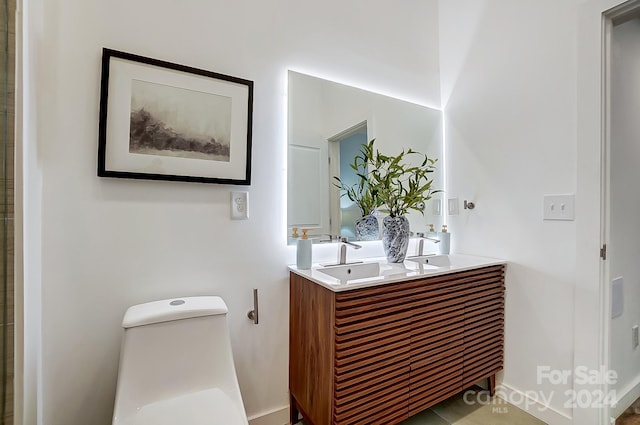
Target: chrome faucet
330, 239
421, 242
342, 252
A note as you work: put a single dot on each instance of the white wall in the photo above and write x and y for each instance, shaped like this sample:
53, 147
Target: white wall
625, 200
109, 243
508, 85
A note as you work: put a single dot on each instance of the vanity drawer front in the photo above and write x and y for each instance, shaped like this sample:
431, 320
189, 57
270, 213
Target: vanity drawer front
351, 337
368, 308
374, 339
461, 291
488, 285
415, 296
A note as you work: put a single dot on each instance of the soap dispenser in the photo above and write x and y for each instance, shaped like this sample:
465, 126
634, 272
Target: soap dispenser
293, 238
445, 239
303, 252
432, 232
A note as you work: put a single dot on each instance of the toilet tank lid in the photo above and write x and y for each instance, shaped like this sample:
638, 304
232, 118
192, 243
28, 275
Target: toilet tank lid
173, 309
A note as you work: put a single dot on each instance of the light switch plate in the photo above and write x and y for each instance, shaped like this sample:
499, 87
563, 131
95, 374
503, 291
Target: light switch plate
558, 207
239, 205
436, 206
452, 206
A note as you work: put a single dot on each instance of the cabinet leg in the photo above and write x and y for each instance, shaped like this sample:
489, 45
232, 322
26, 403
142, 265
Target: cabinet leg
492, 385
293, 412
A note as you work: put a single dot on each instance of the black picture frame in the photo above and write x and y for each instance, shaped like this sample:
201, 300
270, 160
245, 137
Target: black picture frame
164, 121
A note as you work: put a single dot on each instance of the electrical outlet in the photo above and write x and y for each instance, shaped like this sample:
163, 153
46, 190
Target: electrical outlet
634, 336
239, 205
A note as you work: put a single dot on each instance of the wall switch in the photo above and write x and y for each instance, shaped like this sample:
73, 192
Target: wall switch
437, 206
239, 205
558, 207
452, 206
634, 336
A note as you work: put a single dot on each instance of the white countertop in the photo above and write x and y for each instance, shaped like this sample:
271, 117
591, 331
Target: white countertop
395, 272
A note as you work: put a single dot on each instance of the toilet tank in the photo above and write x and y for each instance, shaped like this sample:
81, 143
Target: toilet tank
174, 347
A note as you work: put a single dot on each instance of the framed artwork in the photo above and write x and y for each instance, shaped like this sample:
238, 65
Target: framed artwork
164, 121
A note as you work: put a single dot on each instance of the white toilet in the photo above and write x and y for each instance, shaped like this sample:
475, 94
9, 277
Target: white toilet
176, 365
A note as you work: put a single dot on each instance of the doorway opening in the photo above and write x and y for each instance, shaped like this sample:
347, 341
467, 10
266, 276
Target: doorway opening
343, 147
620, 231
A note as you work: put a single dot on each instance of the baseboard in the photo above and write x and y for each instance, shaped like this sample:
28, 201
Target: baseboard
543, 412
278, 416
547, 414
625, 398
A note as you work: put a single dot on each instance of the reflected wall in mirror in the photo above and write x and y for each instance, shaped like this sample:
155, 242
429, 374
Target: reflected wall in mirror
327, 124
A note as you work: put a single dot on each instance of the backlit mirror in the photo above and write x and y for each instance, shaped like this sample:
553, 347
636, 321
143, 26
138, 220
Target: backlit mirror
327, 124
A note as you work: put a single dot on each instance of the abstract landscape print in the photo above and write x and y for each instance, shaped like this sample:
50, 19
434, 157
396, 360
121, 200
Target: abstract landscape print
165, 121
178, 122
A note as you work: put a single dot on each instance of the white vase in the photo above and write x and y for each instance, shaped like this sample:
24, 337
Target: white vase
395, 238
367, 228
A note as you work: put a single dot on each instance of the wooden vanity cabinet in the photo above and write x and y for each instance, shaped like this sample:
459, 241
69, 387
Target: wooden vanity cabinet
378, 355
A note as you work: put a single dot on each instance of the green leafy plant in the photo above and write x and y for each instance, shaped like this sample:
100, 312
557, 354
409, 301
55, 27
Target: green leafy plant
399, 185
361, 193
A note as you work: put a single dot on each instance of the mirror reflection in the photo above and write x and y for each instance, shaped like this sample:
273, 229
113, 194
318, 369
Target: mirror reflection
328, 122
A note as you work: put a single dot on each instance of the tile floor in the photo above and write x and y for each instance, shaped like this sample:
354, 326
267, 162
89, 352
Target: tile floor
457, 411
473, 410
497, 412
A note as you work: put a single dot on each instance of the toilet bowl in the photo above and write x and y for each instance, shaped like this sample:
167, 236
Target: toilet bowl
176, 365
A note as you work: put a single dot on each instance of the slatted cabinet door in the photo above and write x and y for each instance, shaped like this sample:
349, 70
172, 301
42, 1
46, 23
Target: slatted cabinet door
372, 355
436, 344
484, 326
311, 350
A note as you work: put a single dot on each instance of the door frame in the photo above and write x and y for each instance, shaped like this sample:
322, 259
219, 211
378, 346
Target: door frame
591, 296
614, 16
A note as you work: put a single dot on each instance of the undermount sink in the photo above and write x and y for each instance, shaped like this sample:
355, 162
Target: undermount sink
433, 260
352, 271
